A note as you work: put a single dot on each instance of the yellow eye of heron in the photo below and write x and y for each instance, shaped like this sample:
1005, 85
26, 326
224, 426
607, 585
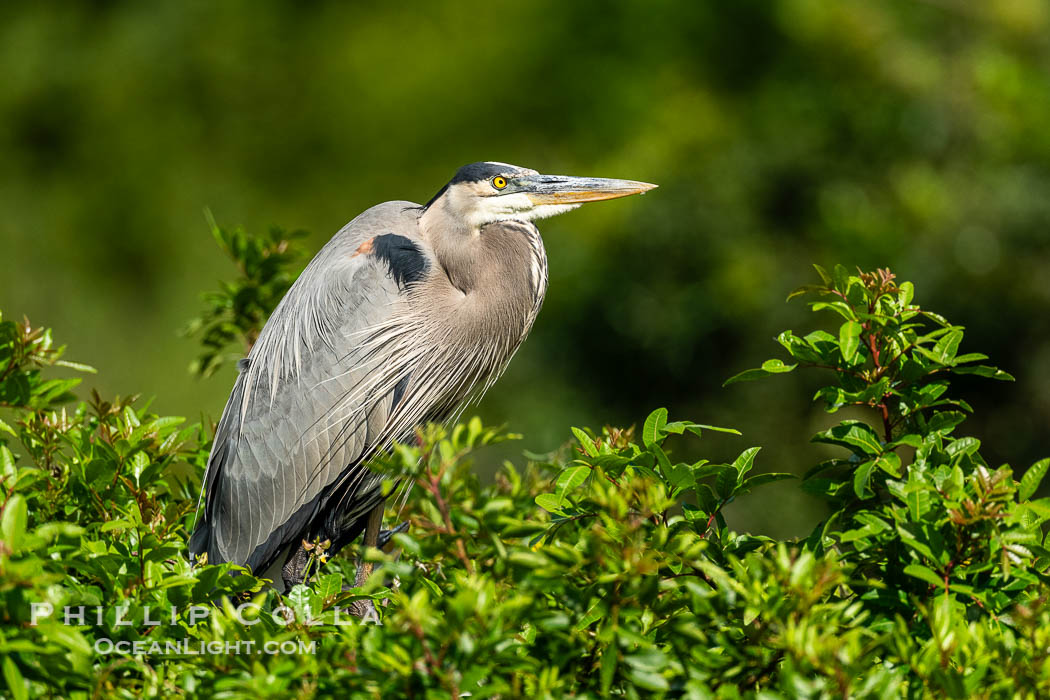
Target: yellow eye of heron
499, 182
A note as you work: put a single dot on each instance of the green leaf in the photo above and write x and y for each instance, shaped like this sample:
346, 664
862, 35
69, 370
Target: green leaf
849, 340
692, 513
840, 307
970, 357
118, 524
861, 477
841, 277
7, 462
80, 367
776, 366
681, 477
435, 590
872, 525
798, 348
708, 499
947, 346
910, 439
15, 390
858, 436
13, 521
824, 276
608, 667
648, 680
653, 424
907, 293
1032, 479
964, 445
589, 448
329, 586
661, 458
806, 289
768, 368
937, 318
676, 428
748, 375
51, 531
945, 421
590, 617
745, 462
1040, 507
985, 371
725, 482
925, 573
919, 501
698, 428
828, 488
569, 479
139, 462
889, 462
912, 541
551, 503
702, 470
824, 343
15, 682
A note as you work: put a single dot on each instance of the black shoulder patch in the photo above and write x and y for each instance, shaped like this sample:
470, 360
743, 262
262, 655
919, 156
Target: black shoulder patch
406, 261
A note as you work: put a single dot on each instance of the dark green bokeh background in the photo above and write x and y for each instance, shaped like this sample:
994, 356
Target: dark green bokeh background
910, 135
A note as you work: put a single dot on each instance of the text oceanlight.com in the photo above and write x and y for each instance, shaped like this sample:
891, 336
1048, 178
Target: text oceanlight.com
195, 647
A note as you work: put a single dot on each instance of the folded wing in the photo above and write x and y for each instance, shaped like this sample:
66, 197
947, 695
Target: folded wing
318, 394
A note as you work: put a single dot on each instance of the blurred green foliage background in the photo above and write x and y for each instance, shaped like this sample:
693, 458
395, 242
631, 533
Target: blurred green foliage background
905, 134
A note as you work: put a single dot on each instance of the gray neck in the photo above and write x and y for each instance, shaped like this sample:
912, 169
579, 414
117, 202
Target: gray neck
498, 273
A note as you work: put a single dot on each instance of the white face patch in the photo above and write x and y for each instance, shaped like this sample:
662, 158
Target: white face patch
515, 207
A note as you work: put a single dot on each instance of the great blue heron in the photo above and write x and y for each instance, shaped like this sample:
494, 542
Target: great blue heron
403, 317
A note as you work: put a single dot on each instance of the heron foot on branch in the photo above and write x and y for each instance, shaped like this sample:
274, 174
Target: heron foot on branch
364, 609
386, 535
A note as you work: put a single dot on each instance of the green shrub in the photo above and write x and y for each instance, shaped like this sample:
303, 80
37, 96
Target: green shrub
605, 570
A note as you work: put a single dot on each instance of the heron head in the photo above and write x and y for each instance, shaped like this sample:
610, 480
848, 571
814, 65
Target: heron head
481, 193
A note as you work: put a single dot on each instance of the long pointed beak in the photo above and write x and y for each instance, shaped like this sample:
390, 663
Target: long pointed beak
561, 189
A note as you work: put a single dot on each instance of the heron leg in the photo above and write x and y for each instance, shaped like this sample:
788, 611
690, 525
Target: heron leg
371, 539
366, 609
295, 567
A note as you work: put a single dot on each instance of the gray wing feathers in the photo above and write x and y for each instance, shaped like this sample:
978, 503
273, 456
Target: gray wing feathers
311, 401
